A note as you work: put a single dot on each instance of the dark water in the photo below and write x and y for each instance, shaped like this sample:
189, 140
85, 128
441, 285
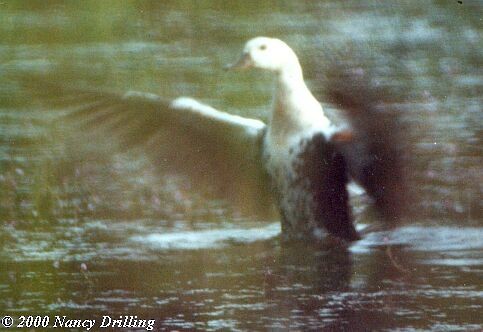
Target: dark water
86, 233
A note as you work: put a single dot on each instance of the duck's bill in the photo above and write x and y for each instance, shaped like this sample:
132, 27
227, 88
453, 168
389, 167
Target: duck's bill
244, 62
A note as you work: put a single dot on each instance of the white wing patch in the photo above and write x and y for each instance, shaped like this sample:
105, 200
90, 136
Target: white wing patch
252, 126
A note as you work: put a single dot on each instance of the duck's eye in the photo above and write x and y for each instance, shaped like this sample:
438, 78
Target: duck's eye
263, 47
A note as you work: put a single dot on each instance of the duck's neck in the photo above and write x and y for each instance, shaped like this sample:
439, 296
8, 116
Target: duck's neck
290, 80
294, 106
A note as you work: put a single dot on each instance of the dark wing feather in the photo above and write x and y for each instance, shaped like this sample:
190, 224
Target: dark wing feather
376, 154
219, 153
334, 199
325, 168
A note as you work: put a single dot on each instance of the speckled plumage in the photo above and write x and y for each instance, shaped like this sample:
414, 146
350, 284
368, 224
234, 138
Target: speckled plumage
310, 187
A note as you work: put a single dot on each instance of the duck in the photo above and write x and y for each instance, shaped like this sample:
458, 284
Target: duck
308, 175
298, 163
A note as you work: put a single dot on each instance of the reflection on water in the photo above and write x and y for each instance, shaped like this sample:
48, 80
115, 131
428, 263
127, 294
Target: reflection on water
410, 277
85, 233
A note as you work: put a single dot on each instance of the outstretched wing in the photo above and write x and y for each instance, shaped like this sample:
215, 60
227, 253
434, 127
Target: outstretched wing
218, 153
376, 151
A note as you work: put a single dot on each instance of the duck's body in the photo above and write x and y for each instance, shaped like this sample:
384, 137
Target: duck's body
310, 183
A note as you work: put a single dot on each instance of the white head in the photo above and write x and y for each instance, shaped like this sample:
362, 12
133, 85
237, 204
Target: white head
267, 53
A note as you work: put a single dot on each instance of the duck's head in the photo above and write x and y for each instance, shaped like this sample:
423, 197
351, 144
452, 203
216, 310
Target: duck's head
266, 53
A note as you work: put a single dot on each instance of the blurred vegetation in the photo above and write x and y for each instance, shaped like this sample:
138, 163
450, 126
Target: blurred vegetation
431, 52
